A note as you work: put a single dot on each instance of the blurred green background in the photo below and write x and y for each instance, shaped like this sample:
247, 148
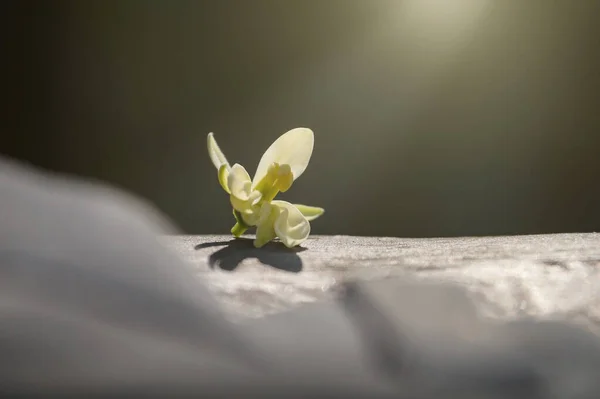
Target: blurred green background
431, 117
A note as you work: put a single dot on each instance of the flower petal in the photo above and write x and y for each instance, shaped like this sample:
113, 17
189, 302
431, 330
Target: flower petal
243, 198
310, 212
247, 208
223, 175
285, 178
291, 226
239, 182
214, 152
293, 148
265, 231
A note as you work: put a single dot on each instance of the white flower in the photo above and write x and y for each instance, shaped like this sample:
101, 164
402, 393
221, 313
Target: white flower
252, 199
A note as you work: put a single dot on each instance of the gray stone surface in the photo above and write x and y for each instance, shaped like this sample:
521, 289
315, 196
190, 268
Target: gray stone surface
551, 276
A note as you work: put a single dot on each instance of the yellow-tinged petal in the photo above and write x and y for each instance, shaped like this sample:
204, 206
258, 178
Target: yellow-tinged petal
293, 148
285, 178
223, 175
291, 226
310, 212
265, 230
278, 178
214, 152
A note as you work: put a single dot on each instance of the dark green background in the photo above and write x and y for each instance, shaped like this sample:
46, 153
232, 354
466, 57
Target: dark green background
431, 118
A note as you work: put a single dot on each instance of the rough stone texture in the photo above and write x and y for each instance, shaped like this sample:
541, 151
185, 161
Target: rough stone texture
543, 275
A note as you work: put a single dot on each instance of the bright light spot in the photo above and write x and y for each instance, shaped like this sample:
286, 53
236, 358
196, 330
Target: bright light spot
443, 21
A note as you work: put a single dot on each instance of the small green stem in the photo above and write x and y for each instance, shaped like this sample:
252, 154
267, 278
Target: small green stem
238, 230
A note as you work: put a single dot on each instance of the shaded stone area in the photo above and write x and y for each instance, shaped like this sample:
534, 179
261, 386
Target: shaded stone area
550, 276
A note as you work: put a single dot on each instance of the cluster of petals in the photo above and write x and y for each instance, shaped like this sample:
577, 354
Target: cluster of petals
253, 199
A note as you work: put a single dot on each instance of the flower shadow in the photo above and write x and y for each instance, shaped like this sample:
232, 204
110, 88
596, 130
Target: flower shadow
274, 254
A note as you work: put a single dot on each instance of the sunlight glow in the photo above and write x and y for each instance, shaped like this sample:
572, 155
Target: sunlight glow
445, 22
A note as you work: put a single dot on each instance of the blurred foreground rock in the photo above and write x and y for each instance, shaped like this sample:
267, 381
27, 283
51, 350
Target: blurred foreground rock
550, 276
91, 306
